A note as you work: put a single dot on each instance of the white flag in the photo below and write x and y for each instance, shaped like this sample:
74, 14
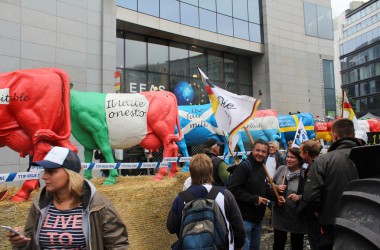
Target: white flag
301, 135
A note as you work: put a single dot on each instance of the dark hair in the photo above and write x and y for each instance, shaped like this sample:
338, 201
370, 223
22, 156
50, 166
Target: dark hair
296, 152
201, 170
343, 128
312, 147
260, 141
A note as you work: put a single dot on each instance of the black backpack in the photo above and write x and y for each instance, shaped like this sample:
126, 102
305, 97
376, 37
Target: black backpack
231, 169
203, 225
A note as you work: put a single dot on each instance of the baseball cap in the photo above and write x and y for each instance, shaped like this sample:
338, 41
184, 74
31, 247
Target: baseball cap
360, 134
211, 142
59, 157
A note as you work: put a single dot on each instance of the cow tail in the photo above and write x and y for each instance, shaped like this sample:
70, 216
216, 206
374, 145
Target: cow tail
47, 134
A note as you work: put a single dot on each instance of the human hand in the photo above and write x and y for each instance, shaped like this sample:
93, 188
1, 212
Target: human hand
262, 201
281, 201
294, 197
281, 188
18, 240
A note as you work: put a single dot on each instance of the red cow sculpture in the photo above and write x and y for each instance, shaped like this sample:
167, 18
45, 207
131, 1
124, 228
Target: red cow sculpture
34, 114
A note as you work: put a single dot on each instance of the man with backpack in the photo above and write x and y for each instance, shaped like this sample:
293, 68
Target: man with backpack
252, 193
205, 216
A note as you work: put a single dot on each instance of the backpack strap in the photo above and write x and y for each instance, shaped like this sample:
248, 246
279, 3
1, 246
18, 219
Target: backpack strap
186, 196
213, 192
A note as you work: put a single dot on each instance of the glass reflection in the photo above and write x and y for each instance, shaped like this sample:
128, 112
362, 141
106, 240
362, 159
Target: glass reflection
255, 33
224, 7
189, 15
135, 53
254, 11
169, 10
149, 7
135, 81
240, 9
207, 4
157, 57
129, 4
207, 20
241, 29
225, 26
179, 59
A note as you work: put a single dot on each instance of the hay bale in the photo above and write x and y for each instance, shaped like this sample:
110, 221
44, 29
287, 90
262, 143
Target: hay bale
142, 203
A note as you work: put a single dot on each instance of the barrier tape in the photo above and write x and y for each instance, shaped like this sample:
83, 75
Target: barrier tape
35, 170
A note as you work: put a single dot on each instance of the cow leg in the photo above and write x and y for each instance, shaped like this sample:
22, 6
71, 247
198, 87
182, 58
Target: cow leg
113, 174
88, 154
40, 150
183, 147
171, 151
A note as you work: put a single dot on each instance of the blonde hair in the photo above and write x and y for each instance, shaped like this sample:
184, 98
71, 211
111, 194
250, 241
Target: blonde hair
201, 170
75, 187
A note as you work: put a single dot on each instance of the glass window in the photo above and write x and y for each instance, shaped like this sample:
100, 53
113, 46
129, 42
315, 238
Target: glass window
245, 90
254, 11
325, 23
225, 26
330, 103
241, 29
169, 10
245, 71
149, 7
193, 2
224, 7
135, 52
200, 94
120, 52
352, 90
189, 15
310, 13
255, 33
129, 4
207, 20
231, 73
215, 65
135, 81
157, 82
158, 56
240, 9
328, 74
207, 4
179, 59
197, 59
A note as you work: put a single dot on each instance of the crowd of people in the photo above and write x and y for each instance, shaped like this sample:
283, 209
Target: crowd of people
301, 190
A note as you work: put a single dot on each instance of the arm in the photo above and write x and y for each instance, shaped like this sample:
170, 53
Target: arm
173, 222
237, 185
222, 171
314, 184
235, 219
115, 234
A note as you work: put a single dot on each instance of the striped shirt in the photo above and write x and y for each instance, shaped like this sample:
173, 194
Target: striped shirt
62, 229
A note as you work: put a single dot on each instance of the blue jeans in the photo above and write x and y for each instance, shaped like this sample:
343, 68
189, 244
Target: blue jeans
252, 235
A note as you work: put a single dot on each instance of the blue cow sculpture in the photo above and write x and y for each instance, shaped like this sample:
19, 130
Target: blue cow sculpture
289, 125
198, 124
263, 126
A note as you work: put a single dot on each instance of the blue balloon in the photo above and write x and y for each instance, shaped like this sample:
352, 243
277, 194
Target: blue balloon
184, 93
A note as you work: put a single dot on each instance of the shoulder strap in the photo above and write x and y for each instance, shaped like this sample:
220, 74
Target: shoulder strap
213, 193
186, 196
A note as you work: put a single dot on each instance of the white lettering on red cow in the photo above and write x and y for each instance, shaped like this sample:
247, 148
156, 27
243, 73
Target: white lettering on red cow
123, 112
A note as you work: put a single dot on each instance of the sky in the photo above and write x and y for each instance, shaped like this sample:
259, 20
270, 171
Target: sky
338, 6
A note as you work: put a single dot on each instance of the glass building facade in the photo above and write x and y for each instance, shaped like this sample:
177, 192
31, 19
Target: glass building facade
236, 18
360, 61
150, 63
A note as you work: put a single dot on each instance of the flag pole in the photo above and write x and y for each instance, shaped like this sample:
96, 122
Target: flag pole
229, 149
342, 102
265, 169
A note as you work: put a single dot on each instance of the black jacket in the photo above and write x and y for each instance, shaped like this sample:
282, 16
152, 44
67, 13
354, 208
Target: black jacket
328, 178
247, 187
279, 159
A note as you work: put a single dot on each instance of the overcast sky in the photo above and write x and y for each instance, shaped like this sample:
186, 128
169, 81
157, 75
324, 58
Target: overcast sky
338, 6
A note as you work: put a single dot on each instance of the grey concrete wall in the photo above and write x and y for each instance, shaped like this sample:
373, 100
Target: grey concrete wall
290, 72
78, 36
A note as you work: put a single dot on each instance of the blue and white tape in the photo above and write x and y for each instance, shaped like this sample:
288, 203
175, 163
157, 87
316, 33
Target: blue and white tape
21, 176
35, 170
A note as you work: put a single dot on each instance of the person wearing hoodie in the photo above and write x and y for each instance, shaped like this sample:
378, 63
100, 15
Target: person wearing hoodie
328, 177
69, 213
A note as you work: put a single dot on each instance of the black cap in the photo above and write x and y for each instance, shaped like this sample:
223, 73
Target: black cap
211, 142
59, 157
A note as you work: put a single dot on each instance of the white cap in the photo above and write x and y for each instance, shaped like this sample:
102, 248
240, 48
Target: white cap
360, 134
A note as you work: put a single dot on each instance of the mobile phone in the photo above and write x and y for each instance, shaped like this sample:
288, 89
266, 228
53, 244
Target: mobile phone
12, 230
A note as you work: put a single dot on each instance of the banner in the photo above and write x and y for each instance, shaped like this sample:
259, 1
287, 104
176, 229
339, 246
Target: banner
231, 111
